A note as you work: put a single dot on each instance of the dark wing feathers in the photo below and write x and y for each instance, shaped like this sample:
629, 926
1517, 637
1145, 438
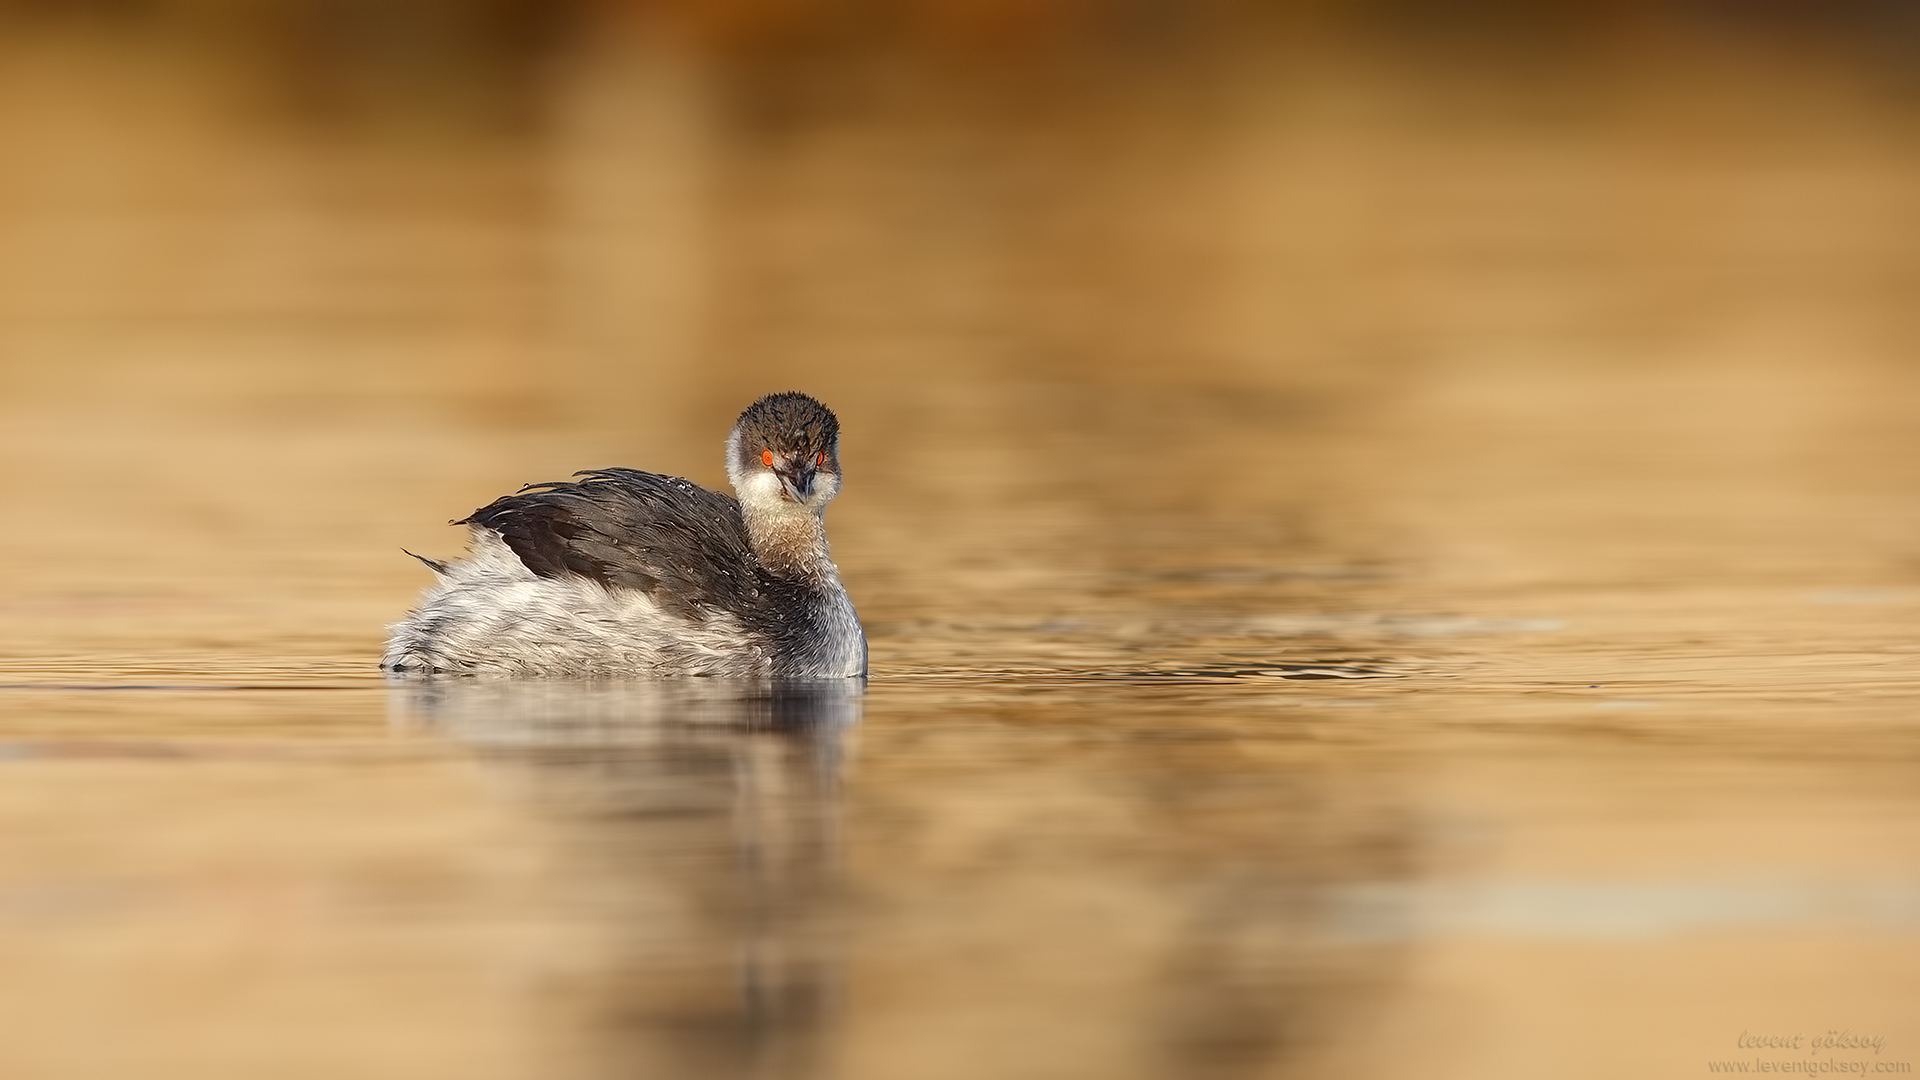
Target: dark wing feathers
435, 565
661, 535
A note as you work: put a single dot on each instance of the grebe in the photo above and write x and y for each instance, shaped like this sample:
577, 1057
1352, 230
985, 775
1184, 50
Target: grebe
630, 573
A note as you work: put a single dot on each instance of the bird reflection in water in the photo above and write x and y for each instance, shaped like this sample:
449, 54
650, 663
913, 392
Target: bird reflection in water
693, 867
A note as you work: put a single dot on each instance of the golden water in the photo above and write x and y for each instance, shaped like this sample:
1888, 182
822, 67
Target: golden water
1372, 565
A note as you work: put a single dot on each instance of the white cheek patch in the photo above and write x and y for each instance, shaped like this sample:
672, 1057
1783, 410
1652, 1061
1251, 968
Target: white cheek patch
761, 494
733, 458
825, 487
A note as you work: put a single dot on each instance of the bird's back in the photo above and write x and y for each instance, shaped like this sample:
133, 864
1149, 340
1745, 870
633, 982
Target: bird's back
661, 536
622, 572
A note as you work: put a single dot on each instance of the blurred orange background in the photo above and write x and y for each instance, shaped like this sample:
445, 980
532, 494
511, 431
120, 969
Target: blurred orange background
1558, 360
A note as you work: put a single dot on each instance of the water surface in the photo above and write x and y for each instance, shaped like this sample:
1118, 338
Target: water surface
1372, 563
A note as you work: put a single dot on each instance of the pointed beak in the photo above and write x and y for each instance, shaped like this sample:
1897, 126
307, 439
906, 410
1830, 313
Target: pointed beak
796, 481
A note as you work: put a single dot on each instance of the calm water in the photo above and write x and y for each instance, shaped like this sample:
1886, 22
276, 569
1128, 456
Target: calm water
1372, 564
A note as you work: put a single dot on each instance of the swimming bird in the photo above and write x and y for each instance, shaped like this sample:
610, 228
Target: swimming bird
622, 572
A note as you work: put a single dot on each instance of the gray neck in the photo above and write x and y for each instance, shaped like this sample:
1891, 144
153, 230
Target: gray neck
823, 638
792, 545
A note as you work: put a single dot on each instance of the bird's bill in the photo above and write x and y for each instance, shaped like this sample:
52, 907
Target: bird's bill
796, 484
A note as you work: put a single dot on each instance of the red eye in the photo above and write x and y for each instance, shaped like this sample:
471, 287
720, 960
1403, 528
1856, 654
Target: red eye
766, 458
821, 461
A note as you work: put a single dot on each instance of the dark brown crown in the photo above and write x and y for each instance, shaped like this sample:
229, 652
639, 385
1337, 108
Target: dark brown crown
789, 423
